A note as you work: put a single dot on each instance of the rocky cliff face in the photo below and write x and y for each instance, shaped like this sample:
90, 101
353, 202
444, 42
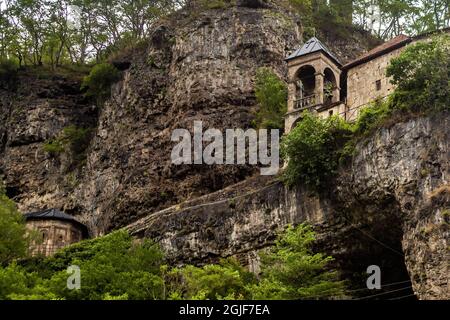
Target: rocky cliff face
399, 185
197, 65
389, 208
35, 111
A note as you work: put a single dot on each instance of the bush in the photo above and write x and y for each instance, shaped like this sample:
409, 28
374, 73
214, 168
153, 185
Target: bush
422, 76
291, 271
112, 267
313, 150
8, 71
371, 117
53, 147
271, 93
16, 282
13, 237
76, 138
99, 81
227, 280
333, 20
70, 138
117, 267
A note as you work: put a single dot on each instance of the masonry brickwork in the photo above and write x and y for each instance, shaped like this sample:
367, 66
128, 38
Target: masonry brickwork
366, 79
369, 82
53, 235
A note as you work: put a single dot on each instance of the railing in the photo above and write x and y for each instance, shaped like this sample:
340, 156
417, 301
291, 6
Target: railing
305, 102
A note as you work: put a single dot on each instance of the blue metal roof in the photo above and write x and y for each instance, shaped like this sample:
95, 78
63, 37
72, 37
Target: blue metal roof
311, 46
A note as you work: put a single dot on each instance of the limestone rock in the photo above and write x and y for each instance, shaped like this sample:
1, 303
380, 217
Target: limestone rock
388, 208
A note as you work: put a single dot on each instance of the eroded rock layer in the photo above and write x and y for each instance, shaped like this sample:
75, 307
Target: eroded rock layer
197, 65
389, 208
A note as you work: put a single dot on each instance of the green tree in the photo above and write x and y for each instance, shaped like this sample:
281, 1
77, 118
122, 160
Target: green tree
271, 94
343, 9
98, 83
58, 31
32, 16
13, 236
389, 18
111, 266
226, 280
291, 270
312, 150
15, 281
422, 76
115, 266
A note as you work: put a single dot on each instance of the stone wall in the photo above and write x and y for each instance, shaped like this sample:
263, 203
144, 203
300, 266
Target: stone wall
336, 109
362, 82
55, 235
320, 63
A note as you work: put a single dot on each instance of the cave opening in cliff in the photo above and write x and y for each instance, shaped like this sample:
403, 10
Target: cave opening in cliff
372, 244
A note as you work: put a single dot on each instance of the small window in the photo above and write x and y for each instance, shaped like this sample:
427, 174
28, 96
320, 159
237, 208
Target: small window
378, 85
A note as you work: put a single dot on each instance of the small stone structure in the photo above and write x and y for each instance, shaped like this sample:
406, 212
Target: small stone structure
314, 81
319, 83
57, 230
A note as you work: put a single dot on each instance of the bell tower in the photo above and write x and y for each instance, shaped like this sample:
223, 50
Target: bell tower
313, 79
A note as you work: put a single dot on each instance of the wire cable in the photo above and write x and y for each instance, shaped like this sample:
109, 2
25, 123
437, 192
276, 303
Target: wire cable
324, 292
373, 238
383, 294
403, 297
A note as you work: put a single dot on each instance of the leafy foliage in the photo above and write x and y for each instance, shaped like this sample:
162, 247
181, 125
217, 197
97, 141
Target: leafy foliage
77, 138
329, 17
313, 149
15, 282
13, 236
56, 32
118, 267
271, 93
291, 271
71, 138
112, 267
389, 18
371, 117
98, 82
227, 280
54, 146
422, 76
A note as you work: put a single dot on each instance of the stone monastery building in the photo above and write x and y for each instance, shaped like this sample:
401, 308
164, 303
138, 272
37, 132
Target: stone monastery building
57, 230
318, 82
